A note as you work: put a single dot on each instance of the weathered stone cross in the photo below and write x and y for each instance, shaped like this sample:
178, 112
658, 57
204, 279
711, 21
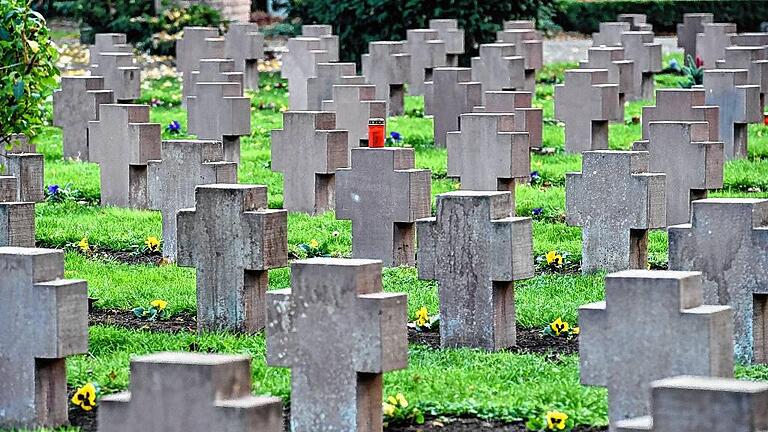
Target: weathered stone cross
637, 22
17, 219
354, 105
739, 105
712, 42
21, 161
448, 31
499, 67
121, 75
682, 105
427, 52
451, 94
219, 112
299, 65
245, 45
197, 43
645, 54
74, 105
320, 86
528, 44
752, 58
387, 66
692, 25
620, 71
215, 70
527, 118
610, 33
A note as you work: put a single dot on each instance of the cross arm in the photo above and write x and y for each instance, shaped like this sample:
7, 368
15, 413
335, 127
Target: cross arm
253, 413
650, 188
383, 331
512, 244
575, 195
531, 121
534, 54
63, 308
752, 111
718, 322
593, 341
280, 330
427, 248
186, 237
419, 191
268, 233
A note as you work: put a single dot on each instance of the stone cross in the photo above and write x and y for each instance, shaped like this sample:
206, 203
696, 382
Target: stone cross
23, 163
320, 86
108, 42
121, 75
427, 52
387, 66
752, 58
308, 150
307, 331
475, 249
616, 200
586, 102
726, 240
759, 39
499, 68
527, 118
172, 180
222, 398
528, 44
610, 33
739, 105
698, 403
448, 31
488, 154
451, 94
299, 65
633, 337
328, 41
74, 105
233, 239
692, 25
620, 71
354, 106
219, 112
245, 45
637, 22
640, 48
215, 70
45, 320
383, 194
197, 43
682, 105
712, 42
17, 219
693, 164
121, 142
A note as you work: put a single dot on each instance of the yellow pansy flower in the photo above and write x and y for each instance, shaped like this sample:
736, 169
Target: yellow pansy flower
153, 243
314, 244
388, 409
556, 420
85, 397
422, 317
401, 400
575, 330
84, 245
159, 304
559, 326
554, 257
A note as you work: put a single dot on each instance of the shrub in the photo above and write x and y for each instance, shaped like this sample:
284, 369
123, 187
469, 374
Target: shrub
27, 69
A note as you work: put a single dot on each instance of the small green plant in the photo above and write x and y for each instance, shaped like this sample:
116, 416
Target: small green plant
693, 71
554, 261
551, 421
396, 410
424, 322
59, 194
155, 311
315, 249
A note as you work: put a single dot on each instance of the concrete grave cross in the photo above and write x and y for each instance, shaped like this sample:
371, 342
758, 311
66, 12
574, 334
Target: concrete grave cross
387, 66
527, 118
640, 48
488, 154
122, 141
184, 165
692, 163
32, 370
448, 31
320, 86
308, 150
620, 71
727, 240
307, 331
519, 25
682, 105
233, 240
215, 70
498, 68
299, 65
328, 41
355, 106
22, 162
74, 105
475, 249
586, 102
383, 194
616, 200
221, 400
451, 94
637, 22
633, 337
739, 105
219, 112
17, 219
712, 42
752, 58
245, 46
108, 42
121, 75
698, 403
610, 33
528, 44
196, 44
758, 39
692, 25
427, 52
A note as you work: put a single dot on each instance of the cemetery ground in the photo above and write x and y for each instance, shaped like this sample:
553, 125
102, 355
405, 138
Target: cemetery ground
106, 247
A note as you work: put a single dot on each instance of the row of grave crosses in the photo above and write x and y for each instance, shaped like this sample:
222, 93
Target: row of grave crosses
658, 377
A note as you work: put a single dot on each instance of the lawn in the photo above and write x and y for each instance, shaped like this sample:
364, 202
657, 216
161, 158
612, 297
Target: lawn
502, 385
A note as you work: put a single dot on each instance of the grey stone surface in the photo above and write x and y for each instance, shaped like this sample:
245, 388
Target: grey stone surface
528, 44
527, 118
308, 331
299, 65
752, 58
44, 320
692, 25
620, 71
488, 154
215, 70
308, 150
616, 199
633, 337
74, 105
221, 398
196, 43
383, 194
739, 105
22, 162
692, 163
697, 403
108, 42
219, 112
320, 86
387, 66
475, 249
726, 240
448, 31
172, 180
245, 45
451, 94
610, 33
233, 239
640, 48
427, 52
586, 102
682, 105
121, 75
17, 219
499, 68
328, 41
121, 142
712, 42
750, 39
637, 21
354, 105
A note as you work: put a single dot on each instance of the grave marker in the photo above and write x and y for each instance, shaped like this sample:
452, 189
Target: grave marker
320, 86
215, 70
712, 42
527, 118
637, 22
108, 42
682, 105
196, 44
328, 41
245, 45
739, 105
620, 71
354, 106
646, 56
219, 112
233, 239
451, 94
74, 105
299, 65
17, 219
23, 163
752, 58
427, 52
387, 66
121, 75
692, 25
499, 68
610, 33
448, 31
528, 45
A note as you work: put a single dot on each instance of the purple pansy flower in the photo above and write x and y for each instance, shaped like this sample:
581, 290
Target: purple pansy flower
174, 126
537, 211
53, 189
395, 136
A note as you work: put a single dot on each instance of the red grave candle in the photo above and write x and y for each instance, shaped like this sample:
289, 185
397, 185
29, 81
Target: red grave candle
376, 131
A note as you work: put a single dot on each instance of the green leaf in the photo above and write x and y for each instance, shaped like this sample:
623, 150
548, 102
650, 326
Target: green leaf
139, 312
18, 89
